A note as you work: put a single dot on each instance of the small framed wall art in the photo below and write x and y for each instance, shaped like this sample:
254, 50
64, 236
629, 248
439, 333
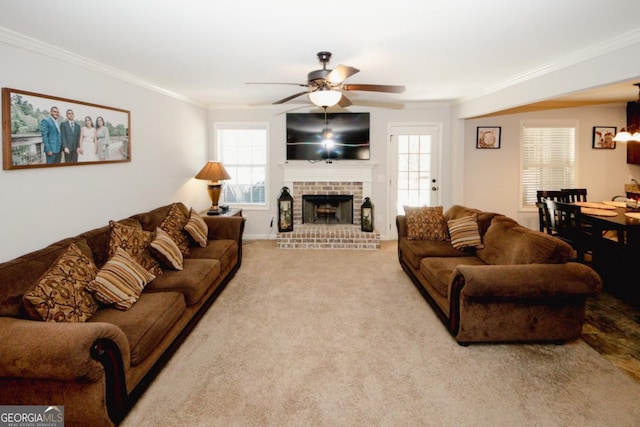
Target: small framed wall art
488, 137
603, 137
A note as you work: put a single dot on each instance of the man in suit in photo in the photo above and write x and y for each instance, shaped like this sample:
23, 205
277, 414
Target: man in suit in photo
51, 136
70, 138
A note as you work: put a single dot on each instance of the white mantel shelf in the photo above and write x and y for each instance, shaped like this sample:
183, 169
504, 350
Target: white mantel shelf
342, 171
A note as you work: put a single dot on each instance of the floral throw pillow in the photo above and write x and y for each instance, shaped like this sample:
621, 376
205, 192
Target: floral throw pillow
61, 295
464, 232
135, 241
426, 223
174, 224
197, 228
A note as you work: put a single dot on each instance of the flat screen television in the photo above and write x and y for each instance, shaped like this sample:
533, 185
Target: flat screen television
345, 136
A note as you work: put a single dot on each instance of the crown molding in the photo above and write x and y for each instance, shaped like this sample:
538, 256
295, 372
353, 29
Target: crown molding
619, 42
24, 42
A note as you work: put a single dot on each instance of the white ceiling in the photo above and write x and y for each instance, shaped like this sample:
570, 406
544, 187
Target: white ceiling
441, 50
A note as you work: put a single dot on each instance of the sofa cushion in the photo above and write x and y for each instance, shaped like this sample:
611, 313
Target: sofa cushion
174, 224
438, 270
426, 223
61, 294
464, 232
146, 322
224, 250
193, 281
414, 250
197, 228
166, 250
135, 241
507, 242
120, 281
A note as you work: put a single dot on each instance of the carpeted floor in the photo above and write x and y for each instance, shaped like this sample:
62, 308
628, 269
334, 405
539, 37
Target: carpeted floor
343, 338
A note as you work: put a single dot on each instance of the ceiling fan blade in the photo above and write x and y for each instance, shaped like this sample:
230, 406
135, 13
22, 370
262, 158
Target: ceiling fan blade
276, 83
340, 74
344, 101
374, 88
289, 98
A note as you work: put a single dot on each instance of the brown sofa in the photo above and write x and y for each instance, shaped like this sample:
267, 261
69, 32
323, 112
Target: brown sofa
97, 369
520, 287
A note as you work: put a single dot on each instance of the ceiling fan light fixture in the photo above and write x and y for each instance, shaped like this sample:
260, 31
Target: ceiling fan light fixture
325, 97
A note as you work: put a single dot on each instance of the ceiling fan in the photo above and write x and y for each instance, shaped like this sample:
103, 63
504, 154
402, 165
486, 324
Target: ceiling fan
325, 87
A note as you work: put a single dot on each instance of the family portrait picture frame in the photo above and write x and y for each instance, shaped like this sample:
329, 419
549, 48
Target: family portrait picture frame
49, 131
603, 137
488, 137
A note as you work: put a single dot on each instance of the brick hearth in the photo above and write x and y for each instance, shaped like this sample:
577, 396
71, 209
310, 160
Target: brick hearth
320, 236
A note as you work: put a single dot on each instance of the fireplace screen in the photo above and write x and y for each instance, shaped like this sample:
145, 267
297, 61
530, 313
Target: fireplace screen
327, 209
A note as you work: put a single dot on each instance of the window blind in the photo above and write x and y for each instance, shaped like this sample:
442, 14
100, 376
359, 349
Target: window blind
548, 160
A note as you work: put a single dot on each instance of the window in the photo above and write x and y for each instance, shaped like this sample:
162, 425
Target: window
548, 159
242, 149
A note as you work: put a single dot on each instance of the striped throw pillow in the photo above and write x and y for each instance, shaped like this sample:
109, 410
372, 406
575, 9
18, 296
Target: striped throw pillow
464, 232
197, 228
166, 250
120, 281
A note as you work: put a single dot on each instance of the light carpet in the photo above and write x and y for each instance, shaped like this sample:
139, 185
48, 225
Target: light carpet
343, 338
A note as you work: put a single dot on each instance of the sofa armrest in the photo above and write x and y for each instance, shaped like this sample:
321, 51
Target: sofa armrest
58, 351
401, 225
225, 227
523, 281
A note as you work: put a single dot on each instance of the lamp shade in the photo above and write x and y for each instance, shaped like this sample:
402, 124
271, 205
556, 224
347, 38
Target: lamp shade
213, 171
622, 136
325, 97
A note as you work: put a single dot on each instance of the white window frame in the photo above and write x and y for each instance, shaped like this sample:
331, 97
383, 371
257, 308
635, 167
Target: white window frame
571, 165
218, 126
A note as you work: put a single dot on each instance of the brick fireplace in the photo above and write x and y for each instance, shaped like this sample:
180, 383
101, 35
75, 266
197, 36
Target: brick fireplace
322, 179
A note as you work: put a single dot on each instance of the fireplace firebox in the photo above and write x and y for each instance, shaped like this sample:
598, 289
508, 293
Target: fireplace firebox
327, 209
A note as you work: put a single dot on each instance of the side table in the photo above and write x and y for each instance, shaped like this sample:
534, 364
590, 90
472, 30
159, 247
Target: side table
228, 212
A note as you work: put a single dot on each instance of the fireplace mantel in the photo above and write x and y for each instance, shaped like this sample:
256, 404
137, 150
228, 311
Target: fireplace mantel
345, 171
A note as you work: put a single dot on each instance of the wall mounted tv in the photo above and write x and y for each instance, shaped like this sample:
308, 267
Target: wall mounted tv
344, 137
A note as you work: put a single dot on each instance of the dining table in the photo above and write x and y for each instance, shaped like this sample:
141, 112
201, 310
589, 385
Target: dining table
615, 231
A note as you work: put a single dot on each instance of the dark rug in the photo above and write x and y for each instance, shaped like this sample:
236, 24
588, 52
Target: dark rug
612, 327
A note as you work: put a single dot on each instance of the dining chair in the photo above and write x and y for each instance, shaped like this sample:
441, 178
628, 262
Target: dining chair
564, 222
576, 194
542, 196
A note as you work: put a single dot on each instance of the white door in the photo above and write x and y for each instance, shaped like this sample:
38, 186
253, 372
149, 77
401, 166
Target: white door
413, 169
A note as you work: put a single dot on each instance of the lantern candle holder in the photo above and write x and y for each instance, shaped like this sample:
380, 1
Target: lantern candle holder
285, 211
367, 221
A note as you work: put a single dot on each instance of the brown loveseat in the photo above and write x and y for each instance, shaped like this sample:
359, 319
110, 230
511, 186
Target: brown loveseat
518, 286
98, 368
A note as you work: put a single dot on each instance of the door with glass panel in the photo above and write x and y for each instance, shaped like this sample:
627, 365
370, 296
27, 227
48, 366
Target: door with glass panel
413, 166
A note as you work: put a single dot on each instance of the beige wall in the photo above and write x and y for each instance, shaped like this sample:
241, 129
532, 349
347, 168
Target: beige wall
491, 176
168, 144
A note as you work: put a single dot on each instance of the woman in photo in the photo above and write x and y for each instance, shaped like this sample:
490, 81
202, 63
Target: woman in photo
89, 141
102, 135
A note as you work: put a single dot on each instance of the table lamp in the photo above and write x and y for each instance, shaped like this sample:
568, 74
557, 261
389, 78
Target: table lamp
214, 172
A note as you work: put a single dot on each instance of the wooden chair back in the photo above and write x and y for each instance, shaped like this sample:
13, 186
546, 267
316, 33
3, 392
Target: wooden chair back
564, 222
576, 194
542, 196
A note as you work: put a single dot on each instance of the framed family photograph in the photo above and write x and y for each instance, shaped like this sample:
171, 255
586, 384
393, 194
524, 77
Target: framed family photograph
488, 137
48, 131
603, 137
